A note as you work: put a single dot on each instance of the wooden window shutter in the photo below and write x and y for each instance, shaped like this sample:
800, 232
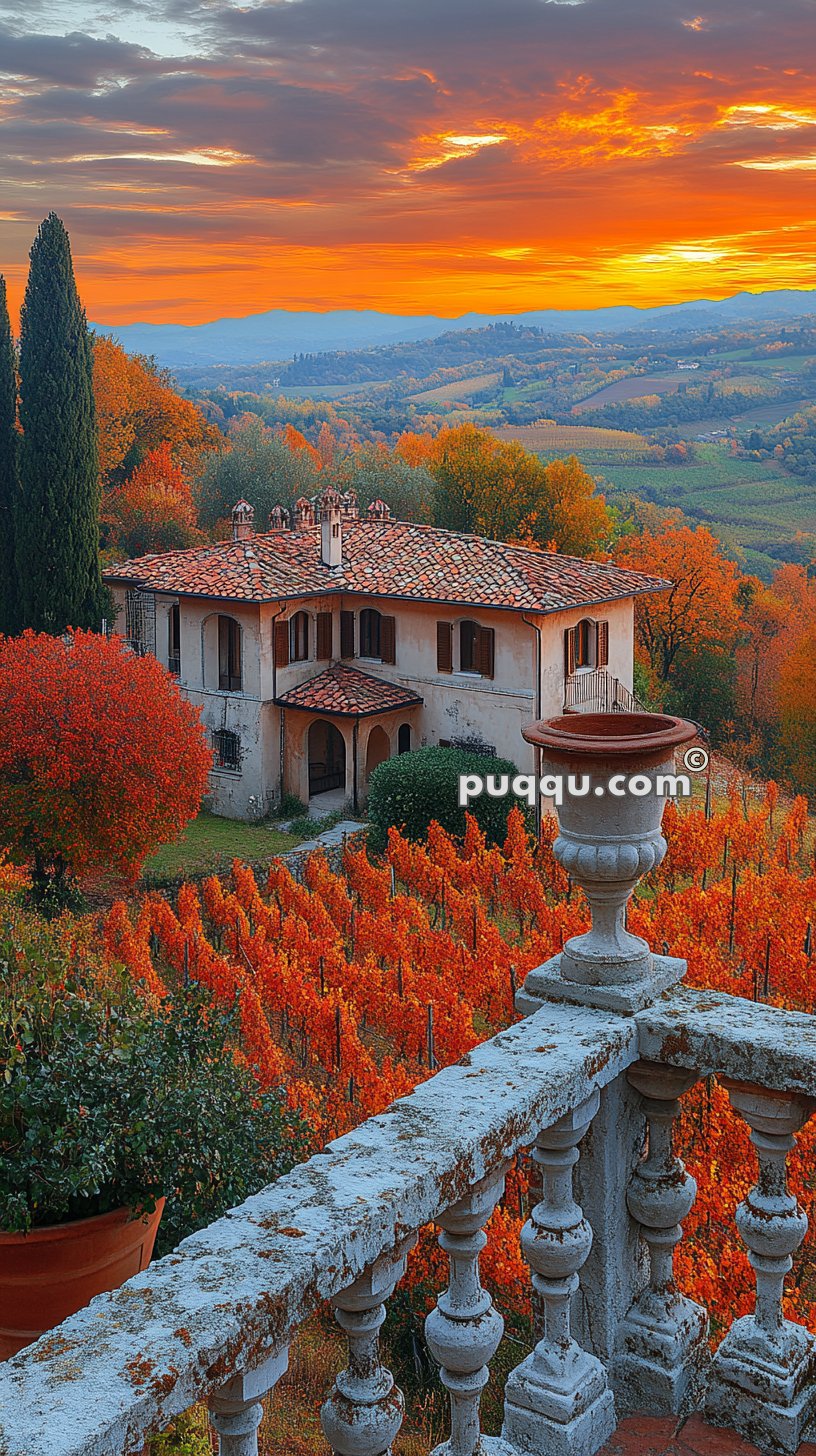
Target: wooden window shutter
444, 647
346, 634
388, 639
485, 651
324, 635
282, 644
602, 644
569, 651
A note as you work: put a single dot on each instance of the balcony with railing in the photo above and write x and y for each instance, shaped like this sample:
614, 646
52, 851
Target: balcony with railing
590, 1082
592, 690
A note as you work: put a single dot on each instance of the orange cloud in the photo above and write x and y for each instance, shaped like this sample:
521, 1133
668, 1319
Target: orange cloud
440, 161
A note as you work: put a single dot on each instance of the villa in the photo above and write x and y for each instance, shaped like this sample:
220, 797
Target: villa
318, 650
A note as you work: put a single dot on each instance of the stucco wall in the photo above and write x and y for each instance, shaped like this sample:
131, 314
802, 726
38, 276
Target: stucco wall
456, 705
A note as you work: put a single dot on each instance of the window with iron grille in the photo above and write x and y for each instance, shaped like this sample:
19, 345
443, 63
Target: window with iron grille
140, 620
226, 747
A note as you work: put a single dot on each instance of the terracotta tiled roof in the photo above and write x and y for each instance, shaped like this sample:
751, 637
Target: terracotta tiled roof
386, 559
349, 693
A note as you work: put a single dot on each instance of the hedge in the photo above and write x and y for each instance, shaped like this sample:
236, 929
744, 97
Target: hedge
411, 790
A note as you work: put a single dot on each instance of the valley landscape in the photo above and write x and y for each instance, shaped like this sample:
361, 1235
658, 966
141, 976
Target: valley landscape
707, 409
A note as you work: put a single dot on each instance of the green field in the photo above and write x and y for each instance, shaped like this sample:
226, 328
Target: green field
752, 505
210, 844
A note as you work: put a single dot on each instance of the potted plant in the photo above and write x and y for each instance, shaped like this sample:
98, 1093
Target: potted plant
115, 1108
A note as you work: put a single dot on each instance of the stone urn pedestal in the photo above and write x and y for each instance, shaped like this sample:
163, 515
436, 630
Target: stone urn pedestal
617, 770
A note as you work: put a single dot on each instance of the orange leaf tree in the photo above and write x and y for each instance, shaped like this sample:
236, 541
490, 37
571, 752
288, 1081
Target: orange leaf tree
500, 490
700, 611
153, 510
138, 409
100, 757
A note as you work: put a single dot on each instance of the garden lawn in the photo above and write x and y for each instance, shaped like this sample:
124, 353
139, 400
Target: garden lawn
210, 843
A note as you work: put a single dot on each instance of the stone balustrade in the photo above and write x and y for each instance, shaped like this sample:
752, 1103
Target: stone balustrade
214, 1319
591, 1082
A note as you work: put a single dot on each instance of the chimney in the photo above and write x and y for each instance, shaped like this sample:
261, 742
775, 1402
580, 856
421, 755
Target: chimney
278, 519
351, 510
331, 534
243, 521
304, 514
378, 511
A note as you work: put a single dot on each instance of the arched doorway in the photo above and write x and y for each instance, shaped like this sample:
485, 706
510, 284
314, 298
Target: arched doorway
327, 758
379, 749
404, 738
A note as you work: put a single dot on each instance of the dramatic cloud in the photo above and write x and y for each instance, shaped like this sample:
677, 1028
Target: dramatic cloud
219, 157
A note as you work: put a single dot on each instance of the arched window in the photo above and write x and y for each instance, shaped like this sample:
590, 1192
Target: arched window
370, 633
299, 637
404, 738
174, 639
476, 649
585, 643
230, 677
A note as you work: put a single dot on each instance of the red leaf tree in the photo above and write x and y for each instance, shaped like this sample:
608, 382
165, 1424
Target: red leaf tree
101, 759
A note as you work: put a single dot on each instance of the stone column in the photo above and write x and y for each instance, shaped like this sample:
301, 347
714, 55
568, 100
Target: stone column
763, 1376
364, 1412
558, 1402
464, 1330
663, 1341
236, 1409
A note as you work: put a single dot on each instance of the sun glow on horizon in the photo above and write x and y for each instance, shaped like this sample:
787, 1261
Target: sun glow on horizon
272, 158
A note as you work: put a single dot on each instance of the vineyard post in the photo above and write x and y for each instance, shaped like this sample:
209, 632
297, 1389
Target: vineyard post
338, 1049
733, 916
432, 1062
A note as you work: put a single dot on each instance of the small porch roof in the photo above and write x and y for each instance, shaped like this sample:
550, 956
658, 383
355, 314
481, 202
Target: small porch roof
345, 692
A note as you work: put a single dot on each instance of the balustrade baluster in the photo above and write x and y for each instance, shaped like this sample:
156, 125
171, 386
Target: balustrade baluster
464, 1330
663, 1339
558, 1401
236, 1409
763, 1375
364, 1411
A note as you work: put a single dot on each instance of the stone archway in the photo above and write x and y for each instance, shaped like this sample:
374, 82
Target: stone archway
327, 757
377, 750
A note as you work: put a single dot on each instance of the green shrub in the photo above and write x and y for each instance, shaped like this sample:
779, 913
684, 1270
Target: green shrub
110, 1101
413, 789
291, 807
189, 1435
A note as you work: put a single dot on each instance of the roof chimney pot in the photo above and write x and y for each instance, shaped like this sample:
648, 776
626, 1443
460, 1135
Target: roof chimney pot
331, 529
243, 521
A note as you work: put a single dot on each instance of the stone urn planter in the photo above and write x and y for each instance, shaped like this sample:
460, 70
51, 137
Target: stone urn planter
612, 767
49, 1273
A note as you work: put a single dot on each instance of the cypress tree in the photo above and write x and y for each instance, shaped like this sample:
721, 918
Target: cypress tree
57, 520
9, 482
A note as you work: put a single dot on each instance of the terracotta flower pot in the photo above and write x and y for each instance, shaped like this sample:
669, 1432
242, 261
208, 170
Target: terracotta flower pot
51, 1272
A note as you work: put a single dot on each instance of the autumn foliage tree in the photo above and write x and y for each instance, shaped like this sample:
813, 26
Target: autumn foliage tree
138, 410
152, 511
498, 489
686, 634
101, 759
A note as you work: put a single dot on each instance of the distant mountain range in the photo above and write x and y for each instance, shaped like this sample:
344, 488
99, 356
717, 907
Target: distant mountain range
279, 334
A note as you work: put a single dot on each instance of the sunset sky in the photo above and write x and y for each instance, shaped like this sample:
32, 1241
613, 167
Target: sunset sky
417, 156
